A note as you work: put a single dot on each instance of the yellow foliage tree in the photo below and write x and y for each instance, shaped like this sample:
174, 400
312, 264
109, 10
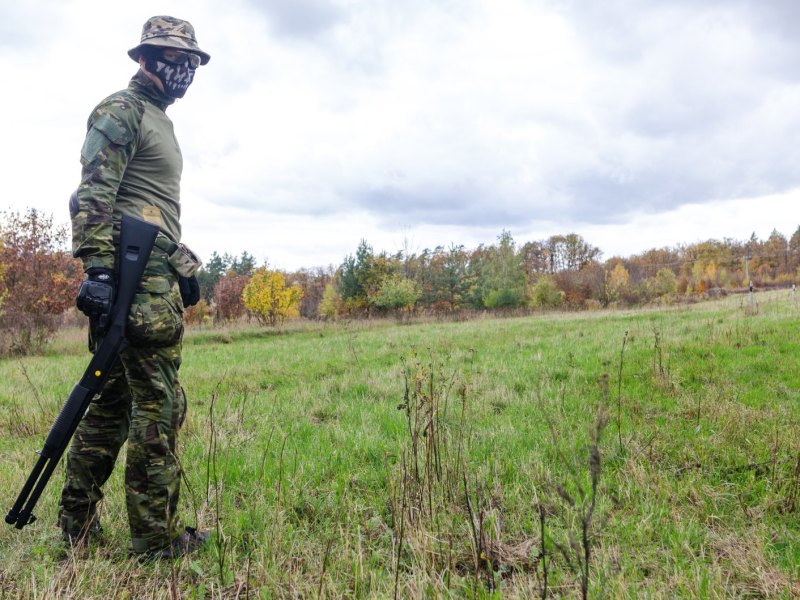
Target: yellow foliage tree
617, 281
331, 304
268, 297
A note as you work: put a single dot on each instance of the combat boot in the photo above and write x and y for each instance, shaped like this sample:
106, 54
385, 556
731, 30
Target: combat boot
76, 536
188, 542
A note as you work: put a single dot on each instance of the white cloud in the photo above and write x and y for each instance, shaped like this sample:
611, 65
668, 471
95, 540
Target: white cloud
689, 223
320, 123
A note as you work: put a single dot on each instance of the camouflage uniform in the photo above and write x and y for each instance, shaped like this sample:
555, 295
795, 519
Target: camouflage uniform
131, 164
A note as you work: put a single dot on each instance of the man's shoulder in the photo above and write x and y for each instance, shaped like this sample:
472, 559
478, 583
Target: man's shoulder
123, 107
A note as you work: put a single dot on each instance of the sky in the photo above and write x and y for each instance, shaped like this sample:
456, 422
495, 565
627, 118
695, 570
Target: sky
318, 123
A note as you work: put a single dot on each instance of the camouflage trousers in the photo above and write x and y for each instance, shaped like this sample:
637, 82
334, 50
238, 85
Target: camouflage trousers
142, 403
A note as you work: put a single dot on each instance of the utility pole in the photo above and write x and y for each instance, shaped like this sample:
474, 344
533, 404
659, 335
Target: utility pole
747, 277
747, 268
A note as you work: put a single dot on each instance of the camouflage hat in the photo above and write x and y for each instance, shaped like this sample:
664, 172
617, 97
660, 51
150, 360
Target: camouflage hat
169, 32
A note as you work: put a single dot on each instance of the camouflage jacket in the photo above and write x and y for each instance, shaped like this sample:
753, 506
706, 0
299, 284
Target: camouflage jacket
131, 165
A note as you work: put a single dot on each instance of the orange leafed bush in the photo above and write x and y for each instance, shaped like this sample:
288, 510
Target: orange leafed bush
38, 280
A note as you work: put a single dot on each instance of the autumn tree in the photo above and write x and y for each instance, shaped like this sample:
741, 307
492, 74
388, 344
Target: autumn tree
474, 281
442, 277
313, 282
228, 296
217, 266
360, 277
545, 293
210, 273
665, 283
39, 282
647, 264
270, 299
777, 253
397, 294
200, 314
3, 269
568, 252
503, 279
794, 252
578, 253
589, 283
352, 278
331, 304
536, 259
451, 276
617, 282
382, 267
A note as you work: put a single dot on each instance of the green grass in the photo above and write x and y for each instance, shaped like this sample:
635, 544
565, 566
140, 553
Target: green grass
300, 459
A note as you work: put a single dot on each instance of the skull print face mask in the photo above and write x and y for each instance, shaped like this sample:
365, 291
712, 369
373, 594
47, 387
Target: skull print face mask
174, 68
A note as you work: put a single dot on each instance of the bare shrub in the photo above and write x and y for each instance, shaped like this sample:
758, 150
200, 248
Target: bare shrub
228, 296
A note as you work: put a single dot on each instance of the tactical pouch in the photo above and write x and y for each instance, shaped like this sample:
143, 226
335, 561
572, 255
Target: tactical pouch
184, 261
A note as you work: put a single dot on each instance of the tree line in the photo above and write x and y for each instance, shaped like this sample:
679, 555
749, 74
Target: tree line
39, 279
561, 271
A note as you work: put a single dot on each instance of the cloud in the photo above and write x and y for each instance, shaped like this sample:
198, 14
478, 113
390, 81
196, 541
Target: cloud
298, 18
514, 107
26, 29
462, 117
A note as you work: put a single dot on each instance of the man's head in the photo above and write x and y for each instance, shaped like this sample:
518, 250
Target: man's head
168, 54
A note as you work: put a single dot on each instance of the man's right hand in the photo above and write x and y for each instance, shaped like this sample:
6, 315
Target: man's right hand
190, 290
96, 297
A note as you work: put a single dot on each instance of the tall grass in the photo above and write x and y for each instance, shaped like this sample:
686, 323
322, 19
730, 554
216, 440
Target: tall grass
453, 460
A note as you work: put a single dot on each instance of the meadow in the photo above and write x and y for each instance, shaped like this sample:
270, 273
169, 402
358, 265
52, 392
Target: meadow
636, 454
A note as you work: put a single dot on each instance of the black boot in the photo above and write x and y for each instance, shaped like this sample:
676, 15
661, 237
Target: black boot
188, 542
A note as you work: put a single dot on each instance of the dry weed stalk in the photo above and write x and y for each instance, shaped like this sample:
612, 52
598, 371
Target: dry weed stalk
619, 390
435, 491
577, 552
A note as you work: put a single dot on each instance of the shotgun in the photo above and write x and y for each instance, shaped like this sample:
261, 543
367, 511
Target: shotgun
136, 241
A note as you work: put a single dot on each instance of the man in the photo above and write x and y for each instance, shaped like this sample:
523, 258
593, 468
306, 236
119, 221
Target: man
131, 164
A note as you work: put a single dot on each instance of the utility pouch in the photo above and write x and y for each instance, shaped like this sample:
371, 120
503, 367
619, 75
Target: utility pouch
184, 261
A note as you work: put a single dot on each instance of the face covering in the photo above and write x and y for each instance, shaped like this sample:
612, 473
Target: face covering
176, 78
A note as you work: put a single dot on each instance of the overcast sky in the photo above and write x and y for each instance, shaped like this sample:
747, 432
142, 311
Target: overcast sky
317, 123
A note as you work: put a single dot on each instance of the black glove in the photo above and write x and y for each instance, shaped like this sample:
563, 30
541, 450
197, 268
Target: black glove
190, 290
96, 297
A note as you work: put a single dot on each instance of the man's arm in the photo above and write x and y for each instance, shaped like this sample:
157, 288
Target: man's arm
110, 144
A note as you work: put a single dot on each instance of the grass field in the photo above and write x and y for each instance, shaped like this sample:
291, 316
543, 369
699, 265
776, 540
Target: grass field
618, 454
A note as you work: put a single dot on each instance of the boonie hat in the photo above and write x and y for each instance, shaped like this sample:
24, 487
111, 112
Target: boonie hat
169, 32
